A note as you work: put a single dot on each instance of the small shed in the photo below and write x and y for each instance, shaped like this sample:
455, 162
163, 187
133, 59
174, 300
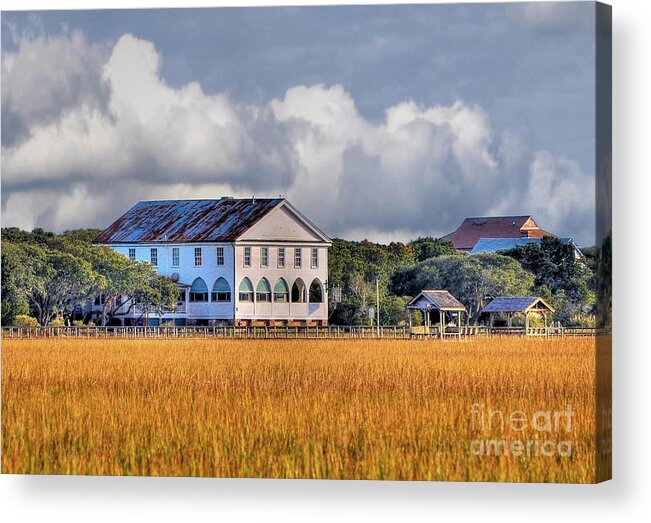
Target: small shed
428, 302
512, 305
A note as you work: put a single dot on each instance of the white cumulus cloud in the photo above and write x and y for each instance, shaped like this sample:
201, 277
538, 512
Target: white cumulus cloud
106, 130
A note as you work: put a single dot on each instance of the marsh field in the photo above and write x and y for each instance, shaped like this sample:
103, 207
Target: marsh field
485, 409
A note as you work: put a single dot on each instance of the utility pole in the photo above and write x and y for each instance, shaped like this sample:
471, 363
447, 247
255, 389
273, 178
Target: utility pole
377, 302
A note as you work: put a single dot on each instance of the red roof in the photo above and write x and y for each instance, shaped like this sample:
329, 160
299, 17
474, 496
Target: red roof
472, 229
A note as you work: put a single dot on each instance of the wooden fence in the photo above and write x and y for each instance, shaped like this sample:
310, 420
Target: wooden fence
330, 332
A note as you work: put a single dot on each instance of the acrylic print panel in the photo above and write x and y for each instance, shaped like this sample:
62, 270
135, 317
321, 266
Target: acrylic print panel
312, 242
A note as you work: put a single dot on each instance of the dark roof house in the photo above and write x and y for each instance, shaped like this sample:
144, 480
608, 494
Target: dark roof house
472, 230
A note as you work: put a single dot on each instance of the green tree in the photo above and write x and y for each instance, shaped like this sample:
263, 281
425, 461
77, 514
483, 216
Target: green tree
54, 281
158, 297
570, 280
354, 266
428, 247
473, 280
14, 302
124, 279
393, 310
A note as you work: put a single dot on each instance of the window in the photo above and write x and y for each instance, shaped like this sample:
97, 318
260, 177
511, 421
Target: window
132, 253
246, 290
100, 299
264, 256
315, 258
297, 258
197, 256
220, 256
281, 291
316, 292
221, 291
153, 254
199, 291
176, 258
281, 257
247, 256
263, 291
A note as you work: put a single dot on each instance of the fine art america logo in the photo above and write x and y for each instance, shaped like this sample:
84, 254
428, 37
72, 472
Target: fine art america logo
516, 433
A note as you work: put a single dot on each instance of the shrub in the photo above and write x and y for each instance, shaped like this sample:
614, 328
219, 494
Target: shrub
57, 322
23, 320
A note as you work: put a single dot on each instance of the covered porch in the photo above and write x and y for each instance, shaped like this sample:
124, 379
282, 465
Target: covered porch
514, 306
437, 306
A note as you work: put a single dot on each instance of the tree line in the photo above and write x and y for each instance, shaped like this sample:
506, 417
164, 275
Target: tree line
549, 269
46, 275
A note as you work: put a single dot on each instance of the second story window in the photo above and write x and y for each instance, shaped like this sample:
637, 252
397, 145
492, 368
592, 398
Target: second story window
220, 256
176, 257
298, 257
132, 253
153, 256
247, 256
197, 256
281, 257
315, 258
264, 256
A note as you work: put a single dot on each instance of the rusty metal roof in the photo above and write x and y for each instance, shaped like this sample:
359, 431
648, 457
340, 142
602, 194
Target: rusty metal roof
187, 221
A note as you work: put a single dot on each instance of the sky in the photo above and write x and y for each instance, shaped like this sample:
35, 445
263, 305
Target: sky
378, 122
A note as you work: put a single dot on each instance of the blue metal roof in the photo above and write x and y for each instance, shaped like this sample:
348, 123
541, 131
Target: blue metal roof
222, 220
515, 304
500, 244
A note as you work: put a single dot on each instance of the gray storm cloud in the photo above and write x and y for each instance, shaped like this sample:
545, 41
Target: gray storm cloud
107, 130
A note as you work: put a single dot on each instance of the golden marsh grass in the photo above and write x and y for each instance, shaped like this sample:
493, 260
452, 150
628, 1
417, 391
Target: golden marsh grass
339, 409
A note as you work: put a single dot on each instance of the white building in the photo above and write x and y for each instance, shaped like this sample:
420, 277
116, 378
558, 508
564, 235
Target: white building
236, 261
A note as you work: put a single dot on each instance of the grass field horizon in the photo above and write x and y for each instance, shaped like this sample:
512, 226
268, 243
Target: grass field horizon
326, 409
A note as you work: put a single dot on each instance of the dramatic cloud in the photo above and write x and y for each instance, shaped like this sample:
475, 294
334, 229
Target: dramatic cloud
46, 77
107, 130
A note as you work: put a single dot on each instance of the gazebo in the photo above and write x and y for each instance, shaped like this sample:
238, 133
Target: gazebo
429, 301
512, 305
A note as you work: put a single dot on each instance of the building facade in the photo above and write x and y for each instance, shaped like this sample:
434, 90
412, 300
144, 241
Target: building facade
236, 261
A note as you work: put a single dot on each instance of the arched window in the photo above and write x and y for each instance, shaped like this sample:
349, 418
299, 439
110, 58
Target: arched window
298, 291
281, 291
221, 291
246, 290
316, 292
199, 290
263, 290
